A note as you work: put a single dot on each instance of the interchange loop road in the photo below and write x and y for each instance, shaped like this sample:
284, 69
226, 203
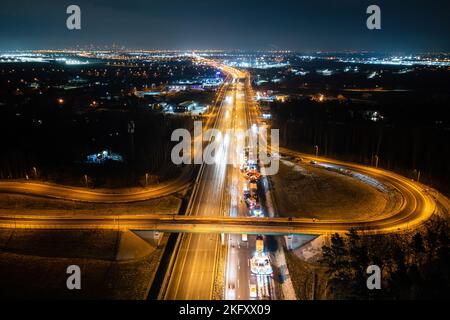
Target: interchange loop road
61, 192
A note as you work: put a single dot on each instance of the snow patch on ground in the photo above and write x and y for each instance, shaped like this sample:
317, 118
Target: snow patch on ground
311, 250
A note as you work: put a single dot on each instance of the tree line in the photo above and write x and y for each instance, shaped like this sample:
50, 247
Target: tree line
413, 265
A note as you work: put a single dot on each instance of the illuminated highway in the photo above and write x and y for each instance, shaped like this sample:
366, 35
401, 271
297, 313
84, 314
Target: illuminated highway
238, 277
216, 208
241, 247
194, 270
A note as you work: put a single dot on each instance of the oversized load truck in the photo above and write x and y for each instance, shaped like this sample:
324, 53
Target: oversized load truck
260, 262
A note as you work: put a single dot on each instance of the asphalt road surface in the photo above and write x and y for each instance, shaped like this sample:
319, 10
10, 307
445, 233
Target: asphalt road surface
194, 269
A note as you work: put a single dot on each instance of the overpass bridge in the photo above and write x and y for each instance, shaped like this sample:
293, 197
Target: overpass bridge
201, 224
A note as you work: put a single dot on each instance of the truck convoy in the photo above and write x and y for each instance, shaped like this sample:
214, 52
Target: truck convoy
252, 176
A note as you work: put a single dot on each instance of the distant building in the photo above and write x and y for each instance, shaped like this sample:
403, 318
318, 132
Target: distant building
373, 115
186, 106
265, 96
78, 80
282, 97
176, 87
104, 156
34, 85
142, 94
189, 107
212, 82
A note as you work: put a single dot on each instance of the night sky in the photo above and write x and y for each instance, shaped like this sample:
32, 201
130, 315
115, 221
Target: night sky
407, 26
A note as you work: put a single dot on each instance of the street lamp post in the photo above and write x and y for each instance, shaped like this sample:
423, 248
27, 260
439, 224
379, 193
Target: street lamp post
131, 129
